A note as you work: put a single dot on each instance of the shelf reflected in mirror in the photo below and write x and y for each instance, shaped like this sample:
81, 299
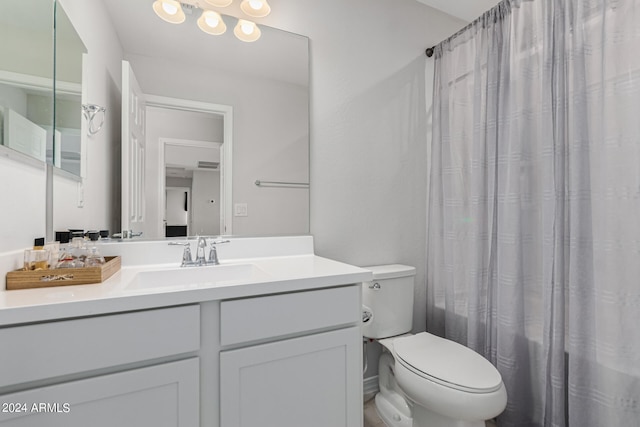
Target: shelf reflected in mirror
31, 70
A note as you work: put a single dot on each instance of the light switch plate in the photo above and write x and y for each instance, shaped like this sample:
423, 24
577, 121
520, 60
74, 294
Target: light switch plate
240, 209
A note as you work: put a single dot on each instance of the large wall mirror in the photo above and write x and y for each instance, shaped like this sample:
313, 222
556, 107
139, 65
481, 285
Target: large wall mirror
215, 130
226, 126
30, 71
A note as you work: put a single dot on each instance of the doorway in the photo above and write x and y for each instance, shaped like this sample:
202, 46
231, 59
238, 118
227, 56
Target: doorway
197, 167
177, 138
177, 211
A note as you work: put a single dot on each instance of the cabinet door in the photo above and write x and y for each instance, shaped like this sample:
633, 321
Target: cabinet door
312, 381
161, 395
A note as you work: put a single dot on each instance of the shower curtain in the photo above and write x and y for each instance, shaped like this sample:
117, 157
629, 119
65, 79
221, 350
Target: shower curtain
533, 253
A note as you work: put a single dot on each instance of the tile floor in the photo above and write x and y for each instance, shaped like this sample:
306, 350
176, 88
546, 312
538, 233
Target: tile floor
371, 418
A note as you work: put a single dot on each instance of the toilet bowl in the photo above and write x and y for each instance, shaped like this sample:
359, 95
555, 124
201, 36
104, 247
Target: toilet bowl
424, 380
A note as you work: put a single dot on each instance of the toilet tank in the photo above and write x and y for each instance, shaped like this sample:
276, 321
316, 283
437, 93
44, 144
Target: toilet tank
389, 298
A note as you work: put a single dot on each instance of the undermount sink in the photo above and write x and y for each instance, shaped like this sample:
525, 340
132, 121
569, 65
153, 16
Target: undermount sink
193, 277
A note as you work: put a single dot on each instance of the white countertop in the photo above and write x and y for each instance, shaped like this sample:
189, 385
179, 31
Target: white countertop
281, 273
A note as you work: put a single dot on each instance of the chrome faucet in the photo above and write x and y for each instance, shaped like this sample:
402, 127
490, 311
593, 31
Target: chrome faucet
187, 260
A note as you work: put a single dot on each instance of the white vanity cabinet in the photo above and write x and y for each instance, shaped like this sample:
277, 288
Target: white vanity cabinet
292, 360
165, 395
130, 369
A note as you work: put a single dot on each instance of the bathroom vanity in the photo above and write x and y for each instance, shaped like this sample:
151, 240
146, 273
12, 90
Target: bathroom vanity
270, 337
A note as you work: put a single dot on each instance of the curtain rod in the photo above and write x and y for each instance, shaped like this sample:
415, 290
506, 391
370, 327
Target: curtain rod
503, 4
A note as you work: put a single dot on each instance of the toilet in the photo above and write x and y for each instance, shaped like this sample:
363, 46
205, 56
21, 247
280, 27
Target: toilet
424, 380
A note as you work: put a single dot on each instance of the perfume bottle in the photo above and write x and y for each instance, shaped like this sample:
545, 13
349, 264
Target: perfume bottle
94, 258
74, 255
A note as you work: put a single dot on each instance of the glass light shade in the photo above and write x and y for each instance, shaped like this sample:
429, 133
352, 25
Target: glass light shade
255, 8
211, 23
169, 10
246, 31
219, 3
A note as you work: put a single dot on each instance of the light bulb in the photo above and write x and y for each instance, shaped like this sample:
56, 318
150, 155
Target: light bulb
212, 21
246, 31
255, 8
247, 28
169, 8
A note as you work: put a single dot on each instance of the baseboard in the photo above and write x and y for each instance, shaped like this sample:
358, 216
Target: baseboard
370, 386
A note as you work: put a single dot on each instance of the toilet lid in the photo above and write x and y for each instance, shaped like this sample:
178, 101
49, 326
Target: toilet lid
447, 363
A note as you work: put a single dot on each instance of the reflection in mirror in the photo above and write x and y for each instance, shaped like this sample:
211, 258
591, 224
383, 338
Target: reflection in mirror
26, 77
69, 51
265, 87
30, 68
188, 164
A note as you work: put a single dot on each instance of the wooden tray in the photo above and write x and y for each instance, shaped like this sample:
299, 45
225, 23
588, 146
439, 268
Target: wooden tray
21, 279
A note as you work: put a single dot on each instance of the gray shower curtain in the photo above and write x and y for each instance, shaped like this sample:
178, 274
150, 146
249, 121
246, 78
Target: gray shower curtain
533, 253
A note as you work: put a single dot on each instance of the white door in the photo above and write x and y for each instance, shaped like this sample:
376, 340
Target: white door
311, 381
133, 151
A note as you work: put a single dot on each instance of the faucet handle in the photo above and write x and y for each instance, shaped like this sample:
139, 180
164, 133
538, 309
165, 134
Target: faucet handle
217, 242
187, 259
213, 252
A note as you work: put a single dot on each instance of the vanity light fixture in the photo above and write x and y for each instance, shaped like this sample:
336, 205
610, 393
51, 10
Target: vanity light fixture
255, 8
219, 3
169, 10
211, 23
246, 31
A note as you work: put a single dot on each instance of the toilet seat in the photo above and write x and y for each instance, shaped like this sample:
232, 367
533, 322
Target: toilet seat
447, 363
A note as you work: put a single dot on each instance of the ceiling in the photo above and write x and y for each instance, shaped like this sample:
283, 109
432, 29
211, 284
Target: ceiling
141, 32
467, 10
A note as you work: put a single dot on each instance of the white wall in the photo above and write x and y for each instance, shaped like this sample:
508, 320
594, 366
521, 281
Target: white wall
22, 216
205, 216
13, 98
29, 51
